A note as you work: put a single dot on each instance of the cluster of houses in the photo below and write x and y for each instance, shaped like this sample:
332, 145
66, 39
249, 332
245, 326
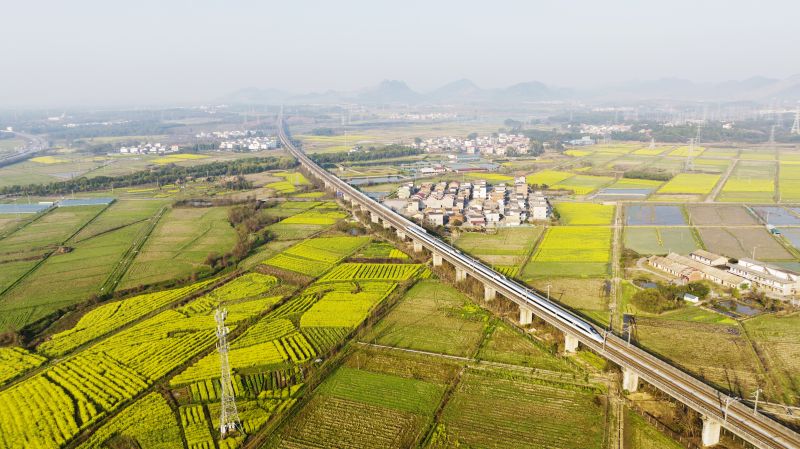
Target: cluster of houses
471, 204
149, 148
239, 140
249, 144
424, 117
743, 274
233, 134
499, 144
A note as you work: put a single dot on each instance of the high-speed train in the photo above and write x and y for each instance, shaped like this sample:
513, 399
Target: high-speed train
420, 233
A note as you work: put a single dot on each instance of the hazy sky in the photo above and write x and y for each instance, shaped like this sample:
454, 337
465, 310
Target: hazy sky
77, 52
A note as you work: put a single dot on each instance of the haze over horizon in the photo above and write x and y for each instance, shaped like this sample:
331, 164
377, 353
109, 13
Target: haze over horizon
91, 53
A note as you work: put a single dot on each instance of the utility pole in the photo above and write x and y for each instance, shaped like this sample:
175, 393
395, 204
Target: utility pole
755, 407
728, 400
229, 415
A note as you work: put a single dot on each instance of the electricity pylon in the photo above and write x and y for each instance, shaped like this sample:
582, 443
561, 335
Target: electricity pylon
229, 415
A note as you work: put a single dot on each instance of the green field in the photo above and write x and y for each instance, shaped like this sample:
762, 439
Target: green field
729, 360
548, 177
778, 340
684, 151
585, 213
432, 316
378, 400
95, 252
660, 240
580, 251
494, 408
690, 183
506, 250
588, 296
639, 434
23, 251
507, 345
583, 184
789, 181
179, 245
750, 181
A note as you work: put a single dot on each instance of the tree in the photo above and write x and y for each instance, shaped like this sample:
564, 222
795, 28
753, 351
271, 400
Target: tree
698, 289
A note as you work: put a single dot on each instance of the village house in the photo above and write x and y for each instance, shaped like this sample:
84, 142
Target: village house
767, 277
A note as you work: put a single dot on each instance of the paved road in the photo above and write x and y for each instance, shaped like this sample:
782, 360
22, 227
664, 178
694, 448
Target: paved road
757, 429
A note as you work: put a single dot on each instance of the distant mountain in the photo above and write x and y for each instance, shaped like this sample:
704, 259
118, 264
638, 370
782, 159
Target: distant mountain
461, 91
759, 89
464, 91
389, 91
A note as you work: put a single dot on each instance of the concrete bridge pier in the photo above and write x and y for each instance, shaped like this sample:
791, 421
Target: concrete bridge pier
711, 430
386, 224
630, 380
489, 293
525, 316
570, 344
401, 235
461, 275
353, 203
417, 246
437, 260
375, 218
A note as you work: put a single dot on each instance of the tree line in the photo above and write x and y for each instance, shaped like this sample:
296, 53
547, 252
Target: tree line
166, 174
372, 153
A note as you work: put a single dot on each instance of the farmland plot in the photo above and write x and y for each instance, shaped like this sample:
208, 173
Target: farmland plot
750, 181
43, 235
778, 339
583, 184
15, 361
507, 249
585, 295
507, 345
432, 316
73, 393
149, 422
741, 242
639, 434
728, 361
581, 251
344, 309
690, 183
789, 182
180, 244
348, 424
660, 240
315, 256
94, 253
514, 411
112, 315
638, 215
715, 215
776, 215
356, 408
379, 250
548, 177
585, 213
371, 272
315, 217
